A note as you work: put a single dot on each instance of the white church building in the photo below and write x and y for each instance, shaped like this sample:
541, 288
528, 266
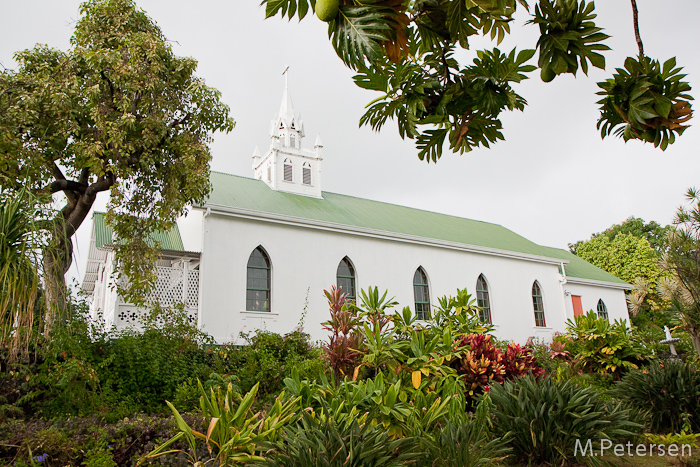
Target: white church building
269, 246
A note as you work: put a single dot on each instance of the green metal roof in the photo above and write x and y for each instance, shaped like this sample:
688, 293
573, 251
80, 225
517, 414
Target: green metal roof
578, 267
238, 192
169, 240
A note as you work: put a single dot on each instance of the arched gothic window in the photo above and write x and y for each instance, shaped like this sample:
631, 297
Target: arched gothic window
288, 174
258, 281
306, 174
602, 310
346, 278
538, 305
421, 294
292, 141
482, 299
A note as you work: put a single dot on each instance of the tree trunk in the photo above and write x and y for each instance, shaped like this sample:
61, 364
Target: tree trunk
58, 257
696, 341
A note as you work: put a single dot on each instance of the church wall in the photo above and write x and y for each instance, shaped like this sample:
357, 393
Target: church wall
614, 300
304, 258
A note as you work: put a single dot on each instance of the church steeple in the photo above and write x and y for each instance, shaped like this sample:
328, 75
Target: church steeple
287, 128
286, 166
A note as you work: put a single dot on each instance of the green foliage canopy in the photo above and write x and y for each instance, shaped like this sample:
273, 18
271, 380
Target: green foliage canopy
654, 233
625, 256
406, 50
118, 112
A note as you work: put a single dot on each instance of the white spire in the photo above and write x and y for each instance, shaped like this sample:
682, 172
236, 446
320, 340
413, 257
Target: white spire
318, 143
286, 107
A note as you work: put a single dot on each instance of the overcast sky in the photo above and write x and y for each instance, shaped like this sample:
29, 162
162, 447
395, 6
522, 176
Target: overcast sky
553, 180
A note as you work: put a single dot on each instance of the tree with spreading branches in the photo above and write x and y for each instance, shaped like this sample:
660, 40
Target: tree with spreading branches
682, 261
406, 50
117, 113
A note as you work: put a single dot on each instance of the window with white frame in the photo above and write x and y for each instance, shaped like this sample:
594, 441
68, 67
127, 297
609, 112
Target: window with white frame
421, 294
538, 305
345, 277
258, 281
482, 299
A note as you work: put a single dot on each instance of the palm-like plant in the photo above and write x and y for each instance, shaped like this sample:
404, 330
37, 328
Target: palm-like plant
20, 243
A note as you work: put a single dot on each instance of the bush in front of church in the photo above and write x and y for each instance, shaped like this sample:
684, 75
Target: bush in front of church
267, 359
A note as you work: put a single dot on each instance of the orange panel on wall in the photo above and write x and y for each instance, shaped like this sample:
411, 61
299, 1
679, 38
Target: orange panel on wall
578, 308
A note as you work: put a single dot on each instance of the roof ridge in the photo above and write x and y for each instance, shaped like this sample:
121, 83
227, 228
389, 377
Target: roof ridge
377, 201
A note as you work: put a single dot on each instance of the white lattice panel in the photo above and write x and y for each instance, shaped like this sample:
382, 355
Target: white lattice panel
168, 288
129, 315
192, 288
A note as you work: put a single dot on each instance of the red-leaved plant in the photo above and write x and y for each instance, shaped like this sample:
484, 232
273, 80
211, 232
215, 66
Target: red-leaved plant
482, 364
342, 349
519, 361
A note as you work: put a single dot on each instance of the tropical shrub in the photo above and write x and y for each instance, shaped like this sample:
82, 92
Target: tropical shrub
342, 350
340, 440
465, 441
234, 431
598, 346
459, 315
520, 361
267, 360
668, 392
546, 417
480, 363
144, 368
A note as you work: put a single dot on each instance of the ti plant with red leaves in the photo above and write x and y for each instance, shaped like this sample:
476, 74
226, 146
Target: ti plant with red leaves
519, 361
482, 363
343, 347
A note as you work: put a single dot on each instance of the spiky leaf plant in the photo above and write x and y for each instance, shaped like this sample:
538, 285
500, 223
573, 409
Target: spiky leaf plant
338, 440
466, 441
669, 392
546, 417
20, 243
645, 101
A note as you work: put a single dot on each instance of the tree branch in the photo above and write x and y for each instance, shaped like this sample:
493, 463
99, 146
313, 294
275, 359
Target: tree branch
103, 183
84, 176
635, 18
61, 180
67, 185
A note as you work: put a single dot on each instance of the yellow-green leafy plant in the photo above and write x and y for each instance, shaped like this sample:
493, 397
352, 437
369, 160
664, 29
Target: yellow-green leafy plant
234, 431
598, 346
